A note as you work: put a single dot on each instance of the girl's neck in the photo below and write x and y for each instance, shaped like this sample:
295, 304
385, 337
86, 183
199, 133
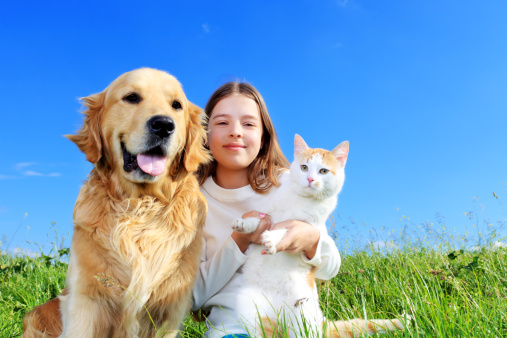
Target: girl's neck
231, 179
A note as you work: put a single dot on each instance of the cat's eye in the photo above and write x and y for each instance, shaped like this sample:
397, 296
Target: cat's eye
323, 171
304, 168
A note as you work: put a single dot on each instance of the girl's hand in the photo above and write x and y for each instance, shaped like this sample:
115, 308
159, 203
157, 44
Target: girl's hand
243, 240
300, 236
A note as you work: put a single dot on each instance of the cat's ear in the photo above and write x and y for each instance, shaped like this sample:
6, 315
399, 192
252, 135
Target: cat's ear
341, 152
299, 145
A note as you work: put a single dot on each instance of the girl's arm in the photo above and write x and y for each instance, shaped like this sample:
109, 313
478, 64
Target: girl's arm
316, 246
217, 271
243, 240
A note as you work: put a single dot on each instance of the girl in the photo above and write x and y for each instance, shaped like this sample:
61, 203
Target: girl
248, 165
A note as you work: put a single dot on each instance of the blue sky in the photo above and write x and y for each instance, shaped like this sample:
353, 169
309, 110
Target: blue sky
417, 87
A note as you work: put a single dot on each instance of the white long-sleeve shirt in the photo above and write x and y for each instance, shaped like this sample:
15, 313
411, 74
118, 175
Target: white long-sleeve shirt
219, 276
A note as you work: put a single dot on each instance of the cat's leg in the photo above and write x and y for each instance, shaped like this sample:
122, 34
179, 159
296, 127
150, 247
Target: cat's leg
271, 238
245, 225
311, 315
250, 304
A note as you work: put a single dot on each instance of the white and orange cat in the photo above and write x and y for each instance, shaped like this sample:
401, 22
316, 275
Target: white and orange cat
281, 288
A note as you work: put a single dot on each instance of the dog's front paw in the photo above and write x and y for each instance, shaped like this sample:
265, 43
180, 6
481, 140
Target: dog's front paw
246, 225
270, 239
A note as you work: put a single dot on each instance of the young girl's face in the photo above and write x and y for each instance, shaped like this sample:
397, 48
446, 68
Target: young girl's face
235, 132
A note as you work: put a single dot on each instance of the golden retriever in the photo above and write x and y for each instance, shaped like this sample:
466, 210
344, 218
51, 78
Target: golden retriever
138, 218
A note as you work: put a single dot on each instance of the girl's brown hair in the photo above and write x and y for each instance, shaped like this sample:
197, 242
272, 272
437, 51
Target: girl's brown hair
263, 172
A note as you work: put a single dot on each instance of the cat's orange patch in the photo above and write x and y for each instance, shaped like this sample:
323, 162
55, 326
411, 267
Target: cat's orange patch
350, 331
340, 329
310, 278
269, 327
371, 327
328, 159
398, 324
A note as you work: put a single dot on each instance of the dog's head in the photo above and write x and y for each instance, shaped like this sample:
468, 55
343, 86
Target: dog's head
142, 127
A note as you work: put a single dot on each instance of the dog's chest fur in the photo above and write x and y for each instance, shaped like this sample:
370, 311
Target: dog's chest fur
148, 251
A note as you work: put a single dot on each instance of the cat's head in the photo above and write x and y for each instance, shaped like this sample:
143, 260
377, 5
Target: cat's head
318, 173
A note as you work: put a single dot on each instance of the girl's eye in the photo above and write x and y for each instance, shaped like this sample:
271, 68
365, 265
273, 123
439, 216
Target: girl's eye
304, 168
323, 171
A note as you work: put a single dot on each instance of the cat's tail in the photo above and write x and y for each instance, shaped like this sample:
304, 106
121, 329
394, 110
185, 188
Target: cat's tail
358, 327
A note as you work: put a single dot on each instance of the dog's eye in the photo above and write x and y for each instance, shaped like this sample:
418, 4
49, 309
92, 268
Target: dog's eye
176, 105
133, 98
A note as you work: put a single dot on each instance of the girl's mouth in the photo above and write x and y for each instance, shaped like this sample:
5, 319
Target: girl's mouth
234, 146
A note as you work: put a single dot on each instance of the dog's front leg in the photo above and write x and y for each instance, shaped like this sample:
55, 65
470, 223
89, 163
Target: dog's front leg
83, 317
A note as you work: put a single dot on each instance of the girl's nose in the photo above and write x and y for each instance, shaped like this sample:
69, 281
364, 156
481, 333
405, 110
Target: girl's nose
235, 132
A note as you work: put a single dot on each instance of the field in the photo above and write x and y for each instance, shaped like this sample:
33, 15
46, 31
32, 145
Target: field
449, 292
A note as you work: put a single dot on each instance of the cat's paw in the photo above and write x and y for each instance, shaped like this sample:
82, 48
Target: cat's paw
246, 226
237, 225
270, 239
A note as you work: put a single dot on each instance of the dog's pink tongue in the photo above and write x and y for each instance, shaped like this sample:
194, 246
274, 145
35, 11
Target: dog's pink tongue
151, 164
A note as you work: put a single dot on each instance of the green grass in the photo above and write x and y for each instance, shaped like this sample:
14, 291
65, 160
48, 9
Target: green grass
455, 294
450, 293
25, 283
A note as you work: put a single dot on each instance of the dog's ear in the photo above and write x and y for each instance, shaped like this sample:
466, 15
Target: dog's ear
88, 138
195, 153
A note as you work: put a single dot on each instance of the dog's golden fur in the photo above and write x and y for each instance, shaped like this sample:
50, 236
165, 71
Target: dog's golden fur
137, 237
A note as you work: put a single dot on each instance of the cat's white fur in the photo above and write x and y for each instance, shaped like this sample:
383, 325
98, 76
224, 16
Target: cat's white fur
281, 287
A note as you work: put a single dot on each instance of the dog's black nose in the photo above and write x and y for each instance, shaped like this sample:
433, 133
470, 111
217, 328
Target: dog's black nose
162, 126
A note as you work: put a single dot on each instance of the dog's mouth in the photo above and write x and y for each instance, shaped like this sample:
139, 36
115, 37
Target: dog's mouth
151, 162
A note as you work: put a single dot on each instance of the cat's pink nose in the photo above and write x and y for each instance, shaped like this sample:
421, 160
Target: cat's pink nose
310, 180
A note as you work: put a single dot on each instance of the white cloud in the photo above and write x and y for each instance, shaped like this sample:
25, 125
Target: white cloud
205, 27
493, 246
384, 244
20, 166
379, 245
32, 173
23, 252
29, 173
